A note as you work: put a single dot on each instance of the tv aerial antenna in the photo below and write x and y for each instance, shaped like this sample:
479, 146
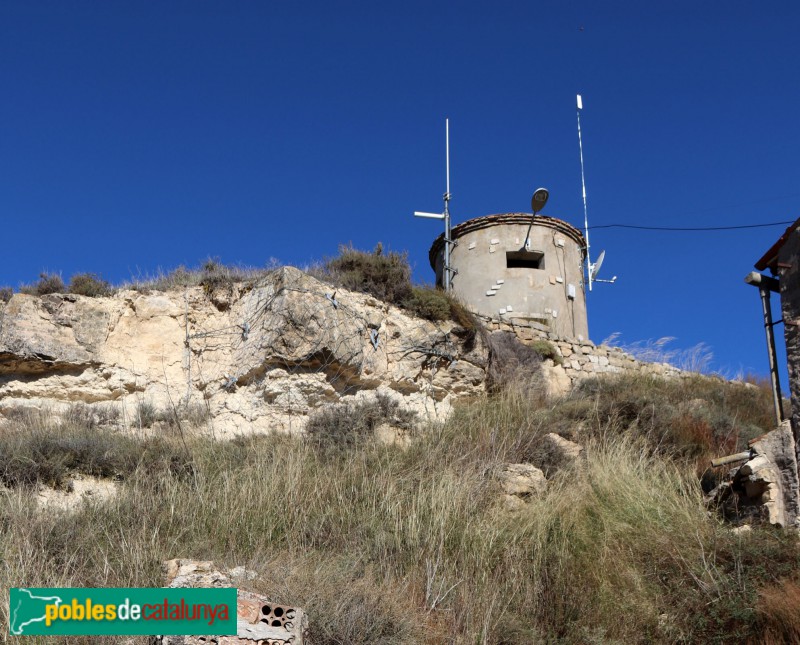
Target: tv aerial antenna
592, 269
449, 271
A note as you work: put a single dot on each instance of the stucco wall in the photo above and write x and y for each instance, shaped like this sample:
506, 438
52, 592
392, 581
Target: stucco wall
551, 295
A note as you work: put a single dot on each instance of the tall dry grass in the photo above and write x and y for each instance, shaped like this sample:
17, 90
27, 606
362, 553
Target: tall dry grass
386, 545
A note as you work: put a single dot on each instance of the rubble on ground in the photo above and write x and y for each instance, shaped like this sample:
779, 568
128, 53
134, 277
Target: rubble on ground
765, 487
259, 620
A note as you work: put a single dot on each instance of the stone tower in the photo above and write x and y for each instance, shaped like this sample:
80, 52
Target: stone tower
501, 275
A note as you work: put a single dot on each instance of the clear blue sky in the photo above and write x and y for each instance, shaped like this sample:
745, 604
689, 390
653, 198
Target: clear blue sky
146, 134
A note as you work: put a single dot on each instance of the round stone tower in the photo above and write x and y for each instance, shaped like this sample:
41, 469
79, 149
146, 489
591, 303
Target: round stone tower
500, 274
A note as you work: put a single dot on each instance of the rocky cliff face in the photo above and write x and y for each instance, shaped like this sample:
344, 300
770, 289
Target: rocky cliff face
257, 357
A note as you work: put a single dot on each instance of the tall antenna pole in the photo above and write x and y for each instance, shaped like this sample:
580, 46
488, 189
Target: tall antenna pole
585, 211
448, 272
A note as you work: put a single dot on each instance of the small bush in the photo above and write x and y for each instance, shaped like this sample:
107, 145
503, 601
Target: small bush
6, 293
344, 427
219, 282
96, 416
146, 414
195, 414
170, 418
386, 276
433, 303
49, 453
89, 284
546, 350
48, 283
429, 303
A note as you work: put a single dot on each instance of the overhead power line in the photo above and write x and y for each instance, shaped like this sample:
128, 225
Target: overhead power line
691, 228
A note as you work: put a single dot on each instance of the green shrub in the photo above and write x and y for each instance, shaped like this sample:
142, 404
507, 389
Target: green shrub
89, 284
429, 303
546, 350
387, 277
48, 283
433, 303
6, 293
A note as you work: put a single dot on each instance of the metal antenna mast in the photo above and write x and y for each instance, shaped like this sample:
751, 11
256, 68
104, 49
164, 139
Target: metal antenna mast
449, 272
591, 269
589, 266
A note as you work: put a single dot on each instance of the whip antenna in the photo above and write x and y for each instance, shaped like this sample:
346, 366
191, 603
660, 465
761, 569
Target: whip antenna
449, 271
585, 210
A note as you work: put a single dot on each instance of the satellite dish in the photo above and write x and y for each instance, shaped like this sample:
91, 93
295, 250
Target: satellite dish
596, 266
539, 199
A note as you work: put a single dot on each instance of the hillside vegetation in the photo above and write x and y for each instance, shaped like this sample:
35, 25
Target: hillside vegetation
386, 275
410, 542
385, 544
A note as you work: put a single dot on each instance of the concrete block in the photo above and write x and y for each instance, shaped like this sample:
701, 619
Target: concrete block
258, 618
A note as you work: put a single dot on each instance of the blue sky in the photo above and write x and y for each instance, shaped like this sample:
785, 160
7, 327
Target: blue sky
139, 135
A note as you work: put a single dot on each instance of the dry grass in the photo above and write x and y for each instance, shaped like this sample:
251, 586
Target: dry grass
391, 545
697, 358
210, 275
780, 605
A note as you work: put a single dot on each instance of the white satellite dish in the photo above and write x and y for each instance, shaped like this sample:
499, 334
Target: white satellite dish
596, 266
539, 199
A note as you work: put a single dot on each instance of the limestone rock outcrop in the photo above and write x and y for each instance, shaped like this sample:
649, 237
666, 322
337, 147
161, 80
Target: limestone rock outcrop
519, 483
562, 451
258, 358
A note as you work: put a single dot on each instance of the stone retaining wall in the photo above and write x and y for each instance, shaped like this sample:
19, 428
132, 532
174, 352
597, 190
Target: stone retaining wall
579, 359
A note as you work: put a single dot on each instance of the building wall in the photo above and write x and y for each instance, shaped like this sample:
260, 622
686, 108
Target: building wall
788, 269
540, 295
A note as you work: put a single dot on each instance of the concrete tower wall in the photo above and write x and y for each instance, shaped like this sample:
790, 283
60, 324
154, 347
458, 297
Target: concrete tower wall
498, 277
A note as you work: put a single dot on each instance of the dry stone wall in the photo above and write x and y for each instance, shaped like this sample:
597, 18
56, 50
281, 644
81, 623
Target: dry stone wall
576, 360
